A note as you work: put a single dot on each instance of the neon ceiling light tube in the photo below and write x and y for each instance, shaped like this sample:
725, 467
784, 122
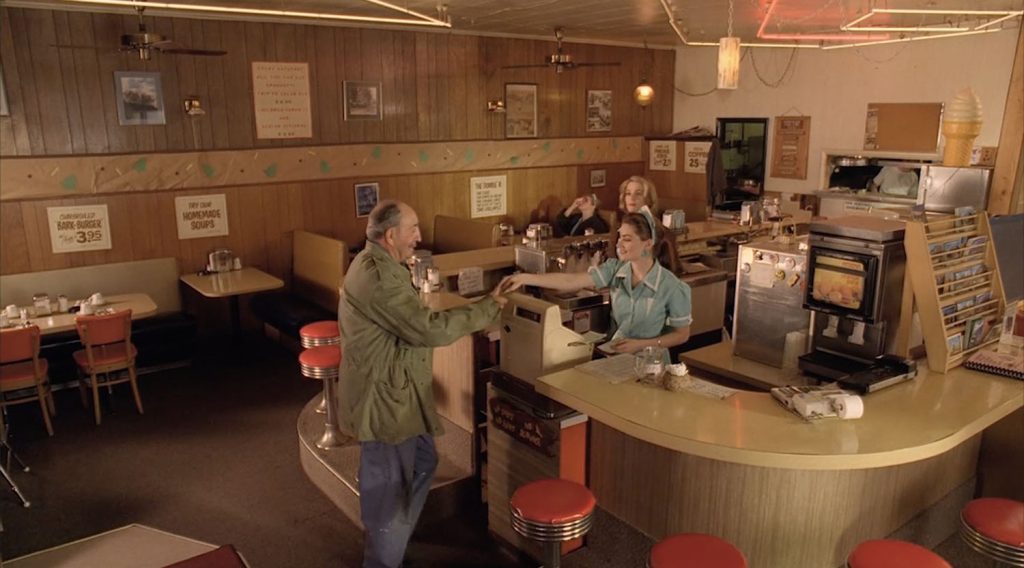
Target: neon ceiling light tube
422, 21
810, 37
1003, 16
905, 39
682, 37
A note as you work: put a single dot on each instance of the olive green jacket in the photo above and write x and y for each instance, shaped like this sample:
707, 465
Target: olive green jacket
386, 391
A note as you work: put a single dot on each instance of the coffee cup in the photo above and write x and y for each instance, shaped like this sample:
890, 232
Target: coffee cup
86, 309
97, 299
4, 320
11, 311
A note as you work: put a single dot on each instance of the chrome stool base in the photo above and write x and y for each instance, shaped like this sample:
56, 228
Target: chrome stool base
990, 548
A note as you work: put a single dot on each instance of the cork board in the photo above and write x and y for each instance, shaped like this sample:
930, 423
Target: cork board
906, 127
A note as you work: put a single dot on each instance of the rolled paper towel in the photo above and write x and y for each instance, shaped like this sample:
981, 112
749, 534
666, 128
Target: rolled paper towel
961, 124
849, 407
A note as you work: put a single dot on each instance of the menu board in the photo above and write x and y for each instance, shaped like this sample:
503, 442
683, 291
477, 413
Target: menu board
201, 216
280, 93
487, 196
662, 155
789, 149
79, 228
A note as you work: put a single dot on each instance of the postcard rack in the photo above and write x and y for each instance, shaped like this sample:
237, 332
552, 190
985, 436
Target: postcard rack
952, 267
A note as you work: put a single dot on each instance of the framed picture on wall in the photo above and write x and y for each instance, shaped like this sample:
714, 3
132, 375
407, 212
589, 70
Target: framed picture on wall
599, 111
520, 110
597, 178
140, 99
367, 195
362, 100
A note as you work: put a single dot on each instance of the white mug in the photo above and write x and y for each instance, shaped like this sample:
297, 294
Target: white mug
4, 321
86, 309
11, 311
96, 299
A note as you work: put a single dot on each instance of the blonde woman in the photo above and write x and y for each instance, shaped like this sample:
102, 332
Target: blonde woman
636, 192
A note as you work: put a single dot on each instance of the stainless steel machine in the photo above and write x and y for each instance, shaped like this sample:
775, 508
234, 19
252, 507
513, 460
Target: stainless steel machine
770, 282
855, 272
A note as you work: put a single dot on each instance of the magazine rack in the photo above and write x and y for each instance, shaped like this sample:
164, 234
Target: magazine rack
952, 266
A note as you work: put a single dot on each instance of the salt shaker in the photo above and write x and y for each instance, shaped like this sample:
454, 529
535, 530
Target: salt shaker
62, 303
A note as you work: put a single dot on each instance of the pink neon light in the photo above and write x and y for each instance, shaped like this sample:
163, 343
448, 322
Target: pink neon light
813, 37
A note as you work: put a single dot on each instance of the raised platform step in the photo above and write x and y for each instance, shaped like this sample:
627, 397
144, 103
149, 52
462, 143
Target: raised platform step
335, 471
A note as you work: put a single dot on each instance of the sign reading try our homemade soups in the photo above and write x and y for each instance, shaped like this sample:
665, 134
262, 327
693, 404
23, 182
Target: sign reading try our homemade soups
79, 228
201, 216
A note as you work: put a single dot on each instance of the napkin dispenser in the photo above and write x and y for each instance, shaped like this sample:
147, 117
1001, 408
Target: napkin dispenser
220, 260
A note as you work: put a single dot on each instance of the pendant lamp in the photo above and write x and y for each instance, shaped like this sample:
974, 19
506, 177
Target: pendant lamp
729, 58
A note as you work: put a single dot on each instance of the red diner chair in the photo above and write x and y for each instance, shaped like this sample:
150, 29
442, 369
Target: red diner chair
108, 351
21, 369
887, 553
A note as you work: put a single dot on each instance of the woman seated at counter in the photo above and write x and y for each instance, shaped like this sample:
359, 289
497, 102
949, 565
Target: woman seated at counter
635, 194
650, 306
579, 216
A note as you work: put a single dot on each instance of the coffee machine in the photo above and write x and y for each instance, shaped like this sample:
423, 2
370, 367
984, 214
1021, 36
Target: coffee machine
855, 270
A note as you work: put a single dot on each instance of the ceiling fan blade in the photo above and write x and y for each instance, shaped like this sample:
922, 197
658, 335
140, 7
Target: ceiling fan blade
610, 64
525, 66
68, 46
179, 50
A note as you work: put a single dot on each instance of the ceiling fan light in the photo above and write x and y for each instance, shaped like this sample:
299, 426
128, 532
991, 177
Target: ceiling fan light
643, 94
728, 63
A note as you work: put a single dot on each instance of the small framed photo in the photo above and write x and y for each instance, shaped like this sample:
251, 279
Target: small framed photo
367, 195
520, 110
140, 99
362, 100
599, 111
597, 178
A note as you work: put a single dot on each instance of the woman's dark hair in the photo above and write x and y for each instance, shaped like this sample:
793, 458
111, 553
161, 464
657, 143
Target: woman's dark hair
640, 224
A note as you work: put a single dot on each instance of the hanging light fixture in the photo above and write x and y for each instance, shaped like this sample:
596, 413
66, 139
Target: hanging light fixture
729, 58
643, 94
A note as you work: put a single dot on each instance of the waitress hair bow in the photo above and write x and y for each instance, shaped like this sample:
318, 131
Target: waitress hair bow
646, 212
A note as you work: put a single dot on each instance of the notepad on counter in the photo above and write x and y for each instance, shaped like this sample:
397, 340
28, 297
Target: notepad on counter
1010, 364
616, 369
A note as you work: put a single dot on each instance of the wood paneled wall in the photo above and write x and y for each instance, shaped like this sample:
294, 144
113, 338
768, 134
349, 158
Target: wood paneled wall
261, 218
434, 85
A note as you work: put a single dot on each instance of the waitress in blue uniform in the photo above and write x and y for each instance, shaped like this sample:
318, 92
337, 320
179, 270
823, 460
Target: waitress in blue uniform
650, 306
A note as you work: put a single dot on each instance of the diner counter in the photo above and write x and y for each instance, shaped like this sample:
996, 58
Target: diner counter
495, 258
908, 422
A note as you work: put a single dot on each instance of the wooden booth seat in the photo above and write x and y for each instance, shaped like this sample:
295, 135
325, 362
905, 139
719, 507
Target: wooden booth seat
165, 339
318, 264
455, 234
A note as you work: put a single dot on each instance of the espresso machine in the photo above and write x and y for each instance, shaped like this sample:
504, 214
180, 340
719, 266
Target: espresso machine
855, 269
583, 311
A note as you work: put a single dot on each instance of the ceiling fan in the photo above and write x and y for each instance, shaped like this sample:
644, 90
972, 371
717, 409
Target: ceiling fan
144, 42
561, 60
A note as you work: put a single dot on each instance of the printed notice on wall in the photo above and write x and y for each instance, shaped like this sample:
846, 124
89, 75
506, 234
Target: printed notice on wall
201, 216
487, 196
663, 155
696, 157
79, 228
280, 93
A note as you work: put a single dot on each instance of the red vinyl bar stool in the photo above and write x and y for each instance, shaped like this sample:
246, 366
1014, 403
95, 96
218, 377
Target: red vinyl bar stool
552, 511
322, 363
893, 554
319, 333
694, 550
995, 528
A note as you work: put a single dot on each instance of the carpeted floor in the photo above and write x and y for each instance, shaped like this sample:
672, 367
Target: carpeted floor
215, 458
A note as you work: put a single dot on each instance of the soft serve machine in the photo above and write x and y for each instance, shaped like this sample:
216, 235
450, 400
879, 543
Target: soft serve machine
855, 270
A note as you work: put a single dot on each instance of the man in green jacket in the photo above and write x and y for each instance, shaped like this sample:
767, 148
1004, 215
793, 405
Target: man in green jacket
386, 378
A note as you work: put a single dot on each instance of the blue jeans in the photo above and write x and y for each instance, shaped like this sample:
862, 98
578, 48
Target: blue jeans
393, 484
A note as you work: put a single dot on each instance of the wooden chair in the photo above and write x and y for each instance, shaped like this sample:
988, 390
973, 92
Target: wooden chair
21, 369
108, 349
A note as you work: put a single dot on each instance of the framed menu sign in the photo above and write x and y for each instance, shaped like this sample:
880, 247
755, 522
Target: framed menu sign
789, 148
79, 228
280, 93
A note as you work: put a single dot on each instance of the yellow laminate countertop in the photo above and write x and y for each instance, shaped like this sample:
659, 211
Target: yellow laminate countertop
908, 422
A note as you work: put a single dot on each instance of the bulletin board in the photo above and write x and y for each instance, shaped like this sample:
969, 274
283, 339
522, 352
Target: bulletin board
904, 127
789, 147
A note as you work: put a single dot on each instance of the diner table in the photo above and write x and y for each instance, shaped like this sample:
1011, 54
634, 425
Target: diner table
140, 304
231, 285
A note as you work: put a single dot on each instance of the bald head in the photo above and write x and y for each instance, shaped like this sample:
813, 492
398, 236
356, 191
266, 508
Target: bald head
394, 226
